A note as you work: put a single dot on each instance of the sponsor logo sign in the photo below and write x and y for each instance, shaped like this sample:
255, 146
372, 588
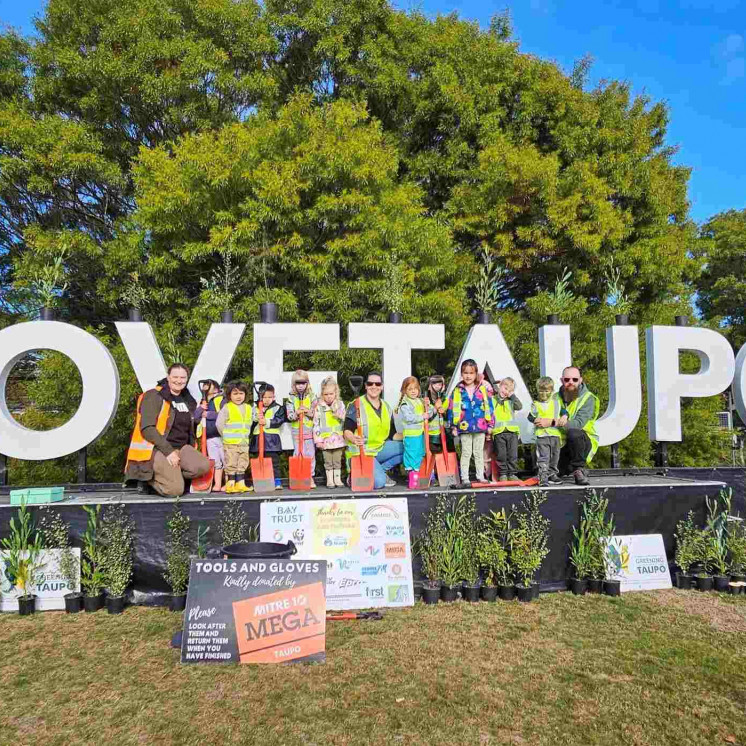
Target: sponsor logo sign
51, 585
397, 550
255, 611
639, 561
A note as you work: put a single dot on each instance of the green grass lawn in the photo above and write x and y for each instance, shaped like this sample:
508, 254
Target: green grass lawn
649, 668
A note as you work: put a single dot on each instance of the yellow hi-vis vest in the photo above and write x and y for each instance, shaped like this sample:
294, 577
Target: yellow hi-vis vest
504, 417
297, 403
141, 449
590, 427
551, 409
269, 414
375, 428
329, 424
413, 429
237, 428
218, 400
434, 423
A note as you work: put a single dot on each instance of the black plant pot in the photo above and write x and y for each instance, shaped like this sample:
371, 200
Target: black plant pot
738, 578
735, 589
553, 319
430, 594
394, 317
134, 314
613, 587
115, 604
705, 582
177, 602
595, 585
449, 593
579, 586
268, 313
489, 592
483, 317
26, 605
470, 593
93, 603
524, 594
721, 583
417, 588
535, 591
681, 320
684, 581
622, 319
226, 317
506, 592
73, 603
46, 313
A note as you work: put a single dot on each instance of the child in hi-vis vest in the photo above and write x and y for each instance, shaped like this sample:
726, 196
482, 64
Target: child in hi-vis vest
328, 430
271, 420
234, 424
300, 405
548, 409
505, 432
206, 415
414, 412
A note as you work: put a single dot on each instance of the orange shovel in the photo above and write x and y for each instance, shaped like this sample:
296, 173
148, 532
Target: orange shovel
299, 467
446, 464
204, 483
428, 463
361, 466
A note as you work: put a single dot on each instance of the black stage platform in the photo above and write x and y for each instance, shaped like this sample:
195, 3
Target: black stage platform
642, 501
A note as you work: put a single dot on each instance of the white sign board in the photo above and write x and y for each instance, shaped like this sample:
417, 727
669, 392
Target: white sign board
365, 543
639, 561
51, 589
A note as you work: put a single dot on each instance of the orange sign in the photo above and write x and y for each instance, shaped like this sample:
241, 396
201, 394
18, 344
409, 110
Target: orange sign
396, 550
281, 626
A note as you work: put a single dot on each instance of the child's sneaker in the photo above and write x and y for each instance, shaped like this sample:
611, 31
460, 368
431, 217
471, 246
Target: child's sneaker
555, 479
278, 484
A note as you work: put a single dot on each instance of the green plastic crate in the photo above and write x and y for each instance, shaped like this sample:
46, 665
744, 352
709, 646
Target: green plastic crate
36, 495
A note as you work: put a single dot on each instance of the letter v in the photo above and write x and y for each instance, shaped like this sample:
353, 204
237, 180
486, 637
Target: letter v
146, 358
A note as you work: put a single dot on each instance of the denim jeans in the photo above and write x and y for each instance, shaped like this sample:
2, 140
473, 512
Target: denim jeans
389, 456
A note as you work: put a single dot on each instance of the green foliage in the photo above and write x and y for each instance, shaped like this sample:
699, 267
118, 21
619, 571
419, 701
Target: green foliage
118, 545
56, 535
92, 575
234, 524
529, 537
23, 544
597, 526
582, 550
737, 546
717, 530
178, 550
687, 543
493, 548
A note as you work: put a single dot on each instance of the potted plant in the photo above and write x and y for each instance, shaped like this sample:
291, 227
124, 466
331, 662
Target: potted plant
220, 290
47, 285
56, 535
493, 553
134, 296
178, 556
581, 557
560, 297
92, 578
234, 524
488, 288
616, 557
687, 539
392, 292
737, 554
616, 294
23, 564
469, 531
529, 539
717, 525
593, 512
118, 543
451, 559
429, 543
704, 560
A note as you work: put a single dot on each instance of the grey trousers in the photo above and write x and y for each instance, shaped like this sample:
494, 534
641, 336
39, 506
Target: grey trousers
547, 455
506, 453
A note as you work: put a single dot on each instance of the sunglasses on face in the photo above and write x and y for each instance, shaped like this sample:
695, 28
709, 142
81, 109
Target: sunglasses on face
374, 383
570, 380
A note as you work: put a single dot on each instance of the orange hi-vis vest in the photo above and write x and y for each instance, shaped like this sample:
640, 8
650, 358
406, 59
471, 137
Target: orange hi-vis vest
141, 449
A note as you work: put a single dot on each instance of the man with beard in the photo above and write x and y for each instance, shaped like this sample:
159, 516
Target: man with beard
577, 423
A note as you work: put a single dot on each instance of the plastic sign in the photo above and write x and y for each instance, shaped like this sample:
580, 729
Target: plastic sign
667, 386
639, 561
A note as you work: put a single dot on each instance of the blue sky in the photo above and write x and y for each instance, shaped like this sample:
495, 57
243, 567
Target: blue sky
690, 54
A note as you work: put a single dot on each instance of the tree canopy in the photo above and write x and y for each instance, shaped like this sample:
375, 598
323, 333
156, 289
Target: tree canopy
343, 159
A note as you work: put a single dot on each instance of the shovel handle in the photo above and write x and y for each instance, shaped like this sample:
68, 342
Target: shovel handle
261, 430
359, 429
204, 436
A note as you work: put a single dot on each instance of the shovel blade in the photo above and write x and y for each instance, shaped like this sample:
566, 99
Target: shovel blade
299, 473
426, 470
204, 483
262, 475
361, 476
445, 467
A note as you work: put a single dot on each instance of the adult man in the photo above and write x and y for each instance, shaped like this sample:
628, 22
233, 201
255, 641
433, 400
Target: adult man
162, 451
379, 437
577, 423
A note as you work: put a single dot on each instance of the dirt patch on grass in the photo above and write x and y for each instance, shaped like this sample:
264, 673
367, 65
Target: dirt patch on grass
722, 616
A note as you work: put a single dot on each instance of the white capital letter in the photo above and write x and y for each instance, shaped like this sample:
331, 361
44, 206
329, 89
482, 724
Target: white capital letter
397, 342
100, 379
667, 386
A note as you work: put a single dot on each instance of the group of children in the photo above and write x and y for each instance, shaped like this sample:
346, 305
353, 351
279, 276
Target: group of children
484, 421
233, 425
481, 417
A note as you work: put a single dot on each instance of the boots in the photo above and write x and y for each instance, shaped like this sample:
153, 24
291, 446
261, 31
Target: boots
241, 487
230, 486
338, 478
330, 483
580, 478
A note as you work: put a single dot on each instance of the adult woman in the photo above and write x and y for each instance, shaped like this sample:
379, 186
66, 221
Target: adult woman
161, 450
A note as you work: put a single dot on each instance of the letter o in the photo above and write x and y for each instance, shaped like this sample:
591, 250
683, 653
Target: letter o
100, 389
